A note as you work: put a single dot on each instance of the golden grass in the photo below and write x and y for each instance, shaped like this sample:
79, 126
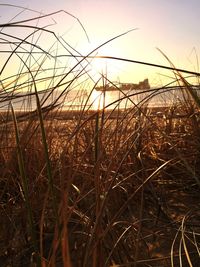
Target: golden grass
124, 204
94, 188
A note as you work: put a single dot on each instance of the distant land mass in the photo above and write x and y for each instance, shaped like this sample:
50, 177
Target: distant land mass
126, 86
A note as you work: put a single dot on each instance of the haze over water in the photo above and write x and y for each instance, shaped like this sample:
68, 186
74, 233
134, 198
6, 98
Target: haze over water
76, 99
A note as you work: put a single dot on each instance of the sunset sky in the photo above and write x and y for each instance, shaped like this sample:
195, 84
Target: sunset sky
170, 25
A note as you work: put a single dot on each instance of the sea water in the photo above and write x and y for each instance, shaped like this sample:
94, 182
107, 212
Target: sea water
78, 99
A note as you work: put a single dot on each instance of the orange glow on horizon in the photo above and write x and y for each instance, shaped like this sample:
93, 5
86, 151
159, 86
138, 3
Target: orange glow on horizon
104, 20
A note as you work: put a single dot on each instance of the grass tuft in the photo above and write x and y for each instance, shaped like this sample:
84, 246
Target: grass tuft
93, 184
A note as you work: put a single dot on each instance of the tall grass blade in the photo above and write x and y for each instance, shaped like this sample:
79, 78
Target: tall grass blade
24, 178
47, 156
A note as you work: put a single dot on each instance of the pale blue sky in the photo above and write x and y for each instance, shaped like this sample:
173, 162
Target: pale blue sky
171, 25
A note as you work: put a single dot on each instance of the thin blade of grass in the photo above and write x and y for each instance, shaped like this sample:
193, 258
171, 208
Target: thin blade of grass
24, 178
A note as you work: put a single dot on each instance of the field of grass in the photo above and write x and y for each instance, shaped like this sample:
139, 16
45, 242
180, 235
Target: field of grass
94, 188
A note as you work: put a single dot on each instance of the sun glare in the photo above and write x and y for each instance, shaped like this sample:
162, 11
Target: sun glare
98, 100
101, 66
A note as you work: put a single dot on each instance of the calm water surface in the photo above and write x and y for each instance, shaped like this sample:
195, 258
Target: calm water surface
76, 99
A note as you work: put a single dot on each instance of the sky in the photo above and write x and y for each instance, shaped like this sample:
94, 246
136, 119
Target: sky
170, 25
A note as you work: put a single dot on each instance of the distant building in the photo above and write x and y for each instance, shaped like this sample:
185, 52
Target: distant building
126, 86
141, 85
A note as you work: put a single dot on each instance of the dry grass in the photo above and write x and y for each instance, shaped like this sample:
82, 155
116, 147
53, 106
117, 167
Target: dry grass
95, 188
129, 199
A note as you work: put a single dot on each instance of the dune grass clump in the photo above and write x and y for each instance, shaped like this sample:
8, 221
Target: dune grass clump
84, 187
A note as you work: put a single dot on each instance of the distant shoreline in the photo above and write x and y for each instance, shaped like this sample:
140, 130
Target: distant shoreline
90, 114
